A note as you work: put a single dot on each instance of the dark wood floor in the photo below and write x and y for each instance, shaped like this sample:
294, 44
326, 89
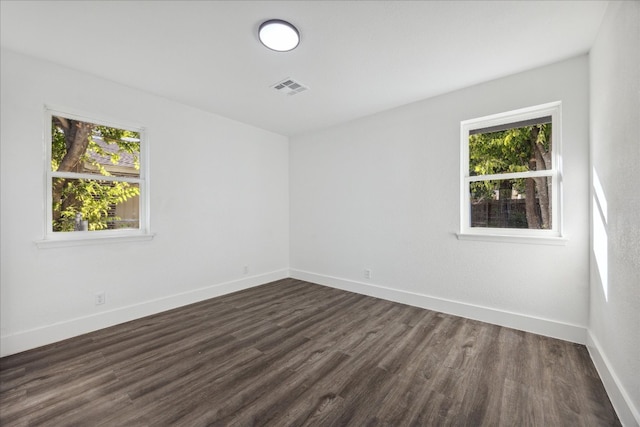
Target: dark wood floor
295, 353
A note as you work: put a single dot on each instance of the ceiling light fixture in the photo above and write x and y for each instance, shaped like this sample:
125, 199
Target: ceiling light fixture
279, 35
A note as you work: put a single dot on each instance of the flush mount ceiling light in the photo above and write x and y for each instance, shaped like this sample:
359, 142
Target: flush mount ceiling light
279, 35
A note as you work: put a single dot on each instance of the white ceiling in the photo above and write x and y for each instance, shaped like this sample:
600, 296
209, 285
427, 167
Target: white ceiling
357, 57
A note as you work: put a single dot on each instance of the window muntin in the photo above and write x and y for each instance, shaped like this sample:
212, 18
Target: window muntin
506, 158
96, 180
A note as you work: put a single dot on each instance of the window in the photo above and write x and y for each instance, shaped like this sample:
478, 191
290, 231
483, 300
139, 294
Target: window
511, 176
96, 180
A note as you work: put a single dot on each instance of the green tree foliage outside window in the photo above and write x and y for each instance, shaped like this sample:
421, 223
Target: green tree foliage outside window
82, 148
520, 149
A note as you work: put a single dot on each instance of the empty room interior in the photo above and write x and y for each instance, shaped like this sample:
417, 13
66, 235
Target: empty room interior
400, 213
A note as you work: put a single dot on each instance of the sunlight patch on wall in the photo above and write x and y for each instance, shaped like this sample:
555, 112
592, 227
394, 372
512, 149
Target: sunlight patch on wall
600, 240
599, 194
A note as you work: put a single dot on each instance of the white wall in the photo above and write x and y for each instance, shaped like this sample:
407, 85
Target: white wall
382, 193
219, 201
614, 321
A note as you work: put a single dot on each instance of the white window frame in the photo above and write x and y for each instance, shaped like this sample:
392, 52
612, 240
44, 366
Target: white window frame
75, 238
550, 236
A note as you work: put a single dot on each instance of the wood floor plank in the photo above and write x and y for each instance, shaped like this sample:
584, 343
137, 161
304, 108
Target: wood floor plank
292, 353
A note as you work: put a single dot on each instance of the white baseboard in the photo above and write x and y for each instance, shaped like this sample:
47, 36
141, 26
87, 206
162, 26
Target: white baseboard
27, 340
550, 328
628, 413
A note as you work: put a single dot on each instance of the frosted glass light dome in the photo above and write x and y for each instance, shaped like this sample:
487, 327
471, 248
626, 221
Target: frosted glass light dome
279, 35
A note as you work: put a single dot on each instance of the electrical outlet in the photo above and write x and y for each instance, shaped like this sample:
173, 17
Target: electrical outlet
367, 274
245, 270
101, 298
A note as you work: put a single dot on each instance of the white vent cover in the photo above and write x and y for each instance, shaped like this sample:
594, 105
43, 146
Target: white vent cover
289, 87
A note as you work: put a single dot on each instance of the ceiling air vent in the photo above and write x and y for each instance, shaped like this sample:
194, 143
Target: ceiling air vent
289, 87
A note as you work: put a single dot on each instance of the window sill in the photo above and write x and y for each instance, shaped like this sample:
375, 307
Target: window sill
86, 240
534, 240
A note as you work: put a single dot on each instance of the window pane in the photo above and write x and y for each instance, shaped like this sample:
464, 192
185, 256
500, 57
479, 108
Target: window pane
517, 149
84, 147
506, 203
92, 205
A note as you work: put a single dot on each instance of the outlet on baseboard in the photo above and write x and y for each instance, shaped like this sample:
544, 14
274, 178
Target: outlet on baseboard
367, 273
101, 298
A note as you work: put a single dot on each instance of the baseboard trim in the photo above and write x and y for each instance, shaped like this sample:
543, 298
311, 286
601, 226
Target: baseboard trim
33, 338
629, 414
546, 327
